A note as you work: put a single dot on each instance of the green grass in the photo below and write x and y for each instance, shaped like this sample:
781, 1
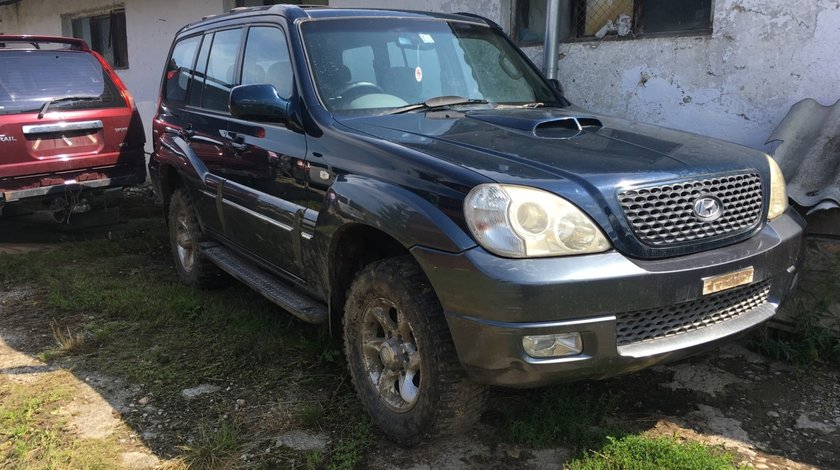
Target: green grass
635, 452
34, 431
568, 415
216, 448
115, 305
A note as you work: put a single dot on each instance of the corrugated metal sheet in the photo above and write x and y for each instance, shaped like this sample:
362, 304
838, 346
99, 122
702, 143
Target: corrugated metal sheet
809, 153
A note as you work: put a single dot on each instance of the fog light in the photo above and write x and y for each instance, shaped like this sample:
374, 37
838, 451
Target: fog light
561, 344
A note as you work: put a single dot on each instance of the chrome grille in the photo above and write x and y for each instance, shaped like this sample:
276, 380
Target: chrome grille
664, 215
649, 325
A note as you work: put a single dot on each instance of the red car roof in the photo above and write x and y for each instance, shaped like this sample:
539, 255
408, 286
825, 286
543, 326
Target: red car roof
75, 43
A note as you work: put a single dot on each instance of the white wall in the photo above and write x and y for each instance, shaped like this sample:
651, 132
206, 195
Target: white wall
737, 84
150, 27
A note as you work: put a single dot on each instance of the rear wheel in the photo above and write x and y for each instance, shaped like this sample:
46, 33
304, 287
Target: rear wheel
401, 357
185, 239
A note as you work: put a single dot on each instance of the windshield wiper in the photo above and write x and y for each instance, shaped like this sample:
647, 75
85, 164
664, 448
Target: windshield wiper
437, 103
50, 101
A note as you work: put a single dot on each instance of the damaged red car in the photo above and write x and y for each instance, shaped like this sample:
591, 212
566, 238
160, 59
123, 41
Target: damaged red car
70, 133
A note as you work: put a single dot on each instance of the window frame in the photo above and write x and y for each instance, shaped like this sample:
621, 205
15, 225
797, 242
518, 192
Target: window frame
570, 15
118, 49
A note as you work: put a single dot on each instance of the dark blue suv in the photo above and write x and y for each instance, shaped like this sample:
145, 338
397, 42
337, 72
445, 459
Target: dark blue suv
413, 181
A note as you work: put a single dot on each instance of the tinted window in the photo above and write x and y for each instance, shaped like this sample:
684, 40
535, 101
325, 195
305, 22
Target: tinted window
221, 69
197, 82
267, 60
179, 70
362, 63
25, 86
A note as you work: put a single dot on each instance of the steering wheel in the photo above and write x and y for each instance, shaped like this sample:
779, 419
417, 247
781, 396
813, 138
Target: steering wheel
357, 89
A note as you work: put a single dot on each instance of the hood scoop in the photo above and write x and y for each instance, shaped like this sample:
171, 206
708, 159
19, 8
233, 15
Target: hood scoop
565, 128
547, 127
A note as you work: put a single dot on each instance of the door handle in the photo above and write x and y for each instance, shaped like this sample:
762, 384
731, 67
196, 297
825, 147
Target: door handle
236, 141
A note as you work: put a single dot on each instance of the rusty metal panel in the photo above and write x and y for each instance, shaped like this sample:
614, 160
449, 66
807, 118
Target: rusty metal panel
809, 153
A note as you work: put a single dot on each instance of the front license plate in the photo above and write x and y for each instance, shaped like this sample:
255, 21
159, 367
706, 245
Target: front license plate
728, 280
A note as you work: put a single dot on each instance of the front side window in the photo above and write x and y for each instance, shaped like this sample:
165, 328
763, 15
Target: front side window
267, 60
381, 64
105, 33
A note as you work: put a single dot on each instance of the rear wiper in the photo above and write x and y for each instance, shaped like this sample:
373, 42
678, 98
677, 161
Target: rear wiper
437, 102
50, 101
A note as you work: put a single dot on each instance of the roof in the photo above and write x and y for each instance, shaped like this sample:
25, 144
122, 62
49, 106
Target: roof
37, 41
294, 12
809, 153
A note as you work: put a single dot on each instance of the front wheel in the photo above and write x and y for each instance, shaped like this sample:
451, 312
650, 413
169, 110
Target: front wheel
401, 357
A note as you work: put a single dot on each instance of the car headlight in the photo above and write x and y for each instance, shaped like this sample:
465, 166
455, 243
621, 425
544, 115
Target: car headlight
778, 191
522, 222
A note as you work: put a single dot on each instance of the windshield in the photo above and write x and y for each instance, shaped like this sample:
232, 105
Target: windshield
372, 65
29, 79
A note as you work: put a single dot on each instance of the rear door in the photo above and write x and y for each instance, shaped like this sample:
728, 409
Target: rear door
60, 111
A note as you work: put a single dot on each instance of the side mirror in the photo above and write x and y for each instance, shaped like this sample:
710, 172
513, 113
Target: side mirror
558, 87
258, 103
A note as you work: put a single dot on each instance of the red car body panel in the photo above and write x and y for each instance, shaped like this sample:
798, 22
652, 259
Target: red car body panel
69, 148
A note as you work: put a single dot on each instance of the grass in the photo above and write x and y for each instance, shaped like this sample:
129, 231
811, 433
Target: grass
812, 306
115, 305
34, 429
636, 452
569, 415
217, 447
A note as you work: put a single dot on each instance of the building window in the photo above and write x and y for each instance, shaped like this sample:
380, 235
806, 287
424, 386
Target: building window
529, 21
600, 19
105, 34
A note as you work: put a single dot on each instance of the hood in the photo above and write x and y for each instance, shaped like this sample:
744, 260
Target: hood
527, 146
584, 157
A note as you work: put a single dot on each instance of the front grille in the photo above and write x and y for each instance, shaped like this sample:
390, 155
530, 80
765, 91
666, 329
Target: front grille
649, 325
664, 215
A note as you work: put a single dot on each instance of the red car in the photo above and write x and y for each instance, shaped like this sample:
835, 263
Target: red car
69, 129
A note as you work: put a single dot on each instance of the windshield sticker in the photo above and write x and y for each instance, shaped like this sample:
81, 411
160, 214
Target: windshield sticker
418, 74
427, 38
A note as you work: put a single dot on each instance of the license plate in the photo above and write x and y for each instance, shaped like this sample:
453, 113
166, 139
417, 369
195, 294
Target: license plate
728, 280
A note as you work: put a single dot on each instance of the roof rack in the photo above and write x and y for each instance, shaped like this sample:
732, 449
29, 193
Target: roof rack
36, 41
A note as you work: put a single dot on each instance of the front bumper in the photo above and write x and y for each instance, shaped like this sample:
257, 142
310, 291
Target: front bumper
491, 303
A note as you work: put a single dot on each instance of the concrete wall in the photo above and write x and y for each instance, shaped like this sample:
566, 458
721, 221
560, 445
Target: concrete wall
737, 84
150, 27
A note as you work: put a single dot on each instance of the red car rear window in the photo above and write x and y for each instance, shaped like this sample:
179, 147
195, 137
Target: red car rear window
30, 78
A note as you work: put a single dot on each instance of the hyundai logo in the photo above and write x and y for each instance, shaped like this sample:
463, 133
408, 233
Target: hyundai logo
707, 208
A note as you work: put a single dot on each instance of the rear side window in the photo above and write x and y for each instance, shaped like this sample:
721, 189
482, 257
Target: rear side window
30, 78
221, 69
179, 70
267, 60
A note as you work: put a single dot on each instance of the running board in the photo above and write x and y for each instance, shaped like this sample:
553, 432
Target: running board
282, 294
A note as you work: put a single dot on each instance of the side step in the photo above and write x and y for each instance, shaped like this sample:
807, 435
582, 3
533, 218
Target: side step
277, 291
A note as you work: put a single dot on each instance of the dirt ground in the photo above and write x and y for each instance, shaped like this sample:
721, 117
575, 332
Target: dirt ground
770, 414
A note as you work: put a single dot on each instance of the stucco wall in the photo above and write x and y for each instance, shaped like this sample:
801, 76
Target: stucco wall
737, 84
150, 27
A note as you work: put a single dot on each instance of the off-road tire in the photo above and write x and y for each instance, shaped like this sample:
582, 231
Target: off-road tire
200, 272
448, 402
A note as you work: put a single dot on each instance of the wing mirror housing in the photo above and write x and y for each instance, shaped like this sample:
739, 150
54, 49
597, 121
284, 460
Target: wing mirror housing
258, 103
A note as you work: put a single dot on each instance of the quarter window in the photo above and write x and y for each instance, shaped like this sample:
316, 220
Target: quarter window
179, 70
